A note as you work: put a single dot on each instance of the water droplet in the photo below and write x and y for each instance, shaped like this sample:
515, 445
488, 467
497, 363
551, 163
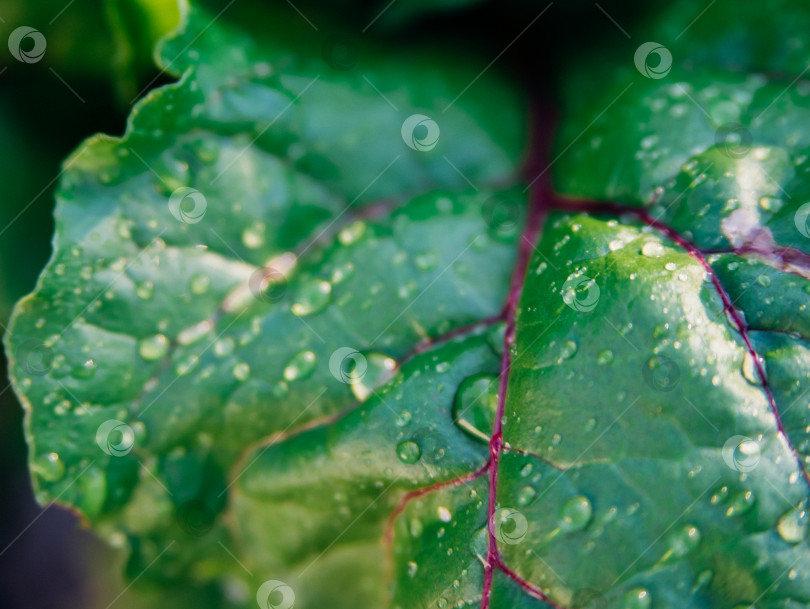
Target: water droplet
379, 368
241, 371
653, 249
223, 347
792, 526
49, 467
605, 357
526, 495
186, 365
567, 350
153, 347
207, 150
475, 405
351, 233
412, 569
194, 333
771, 203
575, 513
749, 369
426, 261
200, 283
300, 366
312, 297
403, 419
408, 451
144, 289
444, 514
764, 280
122, 229
683, 541
740, 503
637, 598
253, 235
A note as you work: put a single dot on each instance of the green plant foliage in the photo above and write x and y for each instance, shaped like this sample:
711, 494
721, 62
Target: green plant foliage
306, 323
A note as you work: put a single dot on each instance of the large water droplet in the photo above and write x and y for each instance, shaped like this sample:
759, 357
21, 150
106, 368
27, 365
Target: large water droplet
408, 451
575, 513
300, 366
637, 598
312, 297
653, 249
792, 526
475, 405
153, 347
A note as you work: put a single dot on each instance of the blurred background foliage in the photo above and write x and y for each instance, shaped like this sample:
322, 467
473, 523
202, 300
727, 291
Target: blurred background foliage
98, 61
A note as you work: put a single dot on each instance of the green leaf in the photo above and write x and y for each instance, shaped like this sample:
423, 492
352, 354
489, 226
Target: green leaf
297, 342
209, 265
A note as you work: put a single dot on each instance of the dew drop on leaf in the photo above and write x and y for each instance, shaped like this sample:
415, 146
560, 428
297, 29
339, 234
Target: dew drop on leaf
351, 233
312, 298
253, 235
426, 261
403, 419
792, 526
408, 451
475, 405
200, 282
575, 513
605, 357
153, 347
682, 541
300, 366
740, 503
223, 347
771, 203
241, 371
379, 368
637, 598
444, 514
526, 495
567, 350
144, 290
653, 249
